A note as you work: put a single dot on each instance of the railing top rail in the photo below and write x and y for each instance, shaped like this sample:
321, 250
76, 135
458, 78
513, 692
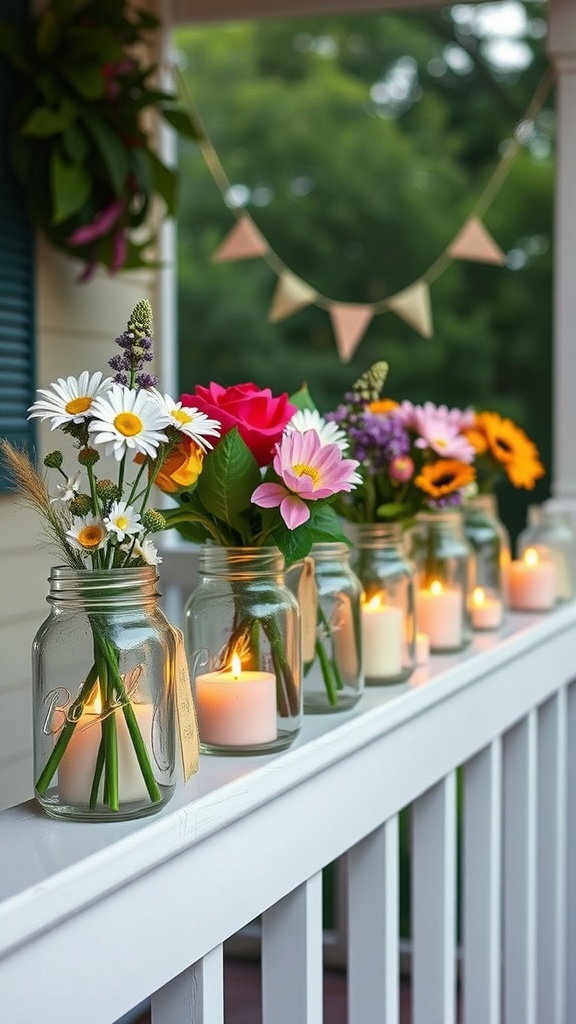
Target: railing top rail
52, 869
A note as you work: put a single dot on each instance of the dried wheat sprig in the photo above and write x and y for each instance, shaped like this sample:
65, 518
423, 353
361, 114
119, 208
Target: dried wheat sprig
32, 489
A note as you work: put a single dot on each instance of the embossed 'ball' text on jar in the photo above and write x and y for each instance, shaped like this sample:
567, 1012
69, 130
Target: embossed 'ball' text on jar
103, 696
242, 631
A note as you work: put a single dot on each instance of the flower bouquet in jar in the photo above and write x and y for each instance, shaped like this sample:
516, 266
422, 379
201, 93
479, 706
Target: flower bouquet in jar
264, 491
104, 660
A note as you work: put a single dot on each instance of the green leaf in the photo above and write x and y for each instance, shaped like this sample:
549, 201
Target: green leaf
48, 32
325, 523
45, 121
70, 185
229, 477
193, 532
75, 143
302, 398
182, 123
13, 47
87, 80
294, 544
165, 181
111, 149
391, 510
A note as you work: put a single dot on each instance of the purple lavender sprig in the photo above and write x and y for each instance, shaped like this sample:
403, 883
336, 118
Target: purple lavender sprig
136, 345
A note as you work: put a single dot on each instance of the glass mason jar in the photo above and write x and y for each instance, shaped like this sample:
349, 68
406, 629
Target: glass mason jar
491, 543
242, 628
444, 562
333, 677
104, 705
549, 532
388, 621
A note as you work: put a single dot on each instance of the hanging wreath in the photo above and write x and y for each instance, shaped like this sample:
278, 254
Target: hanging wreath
76, 140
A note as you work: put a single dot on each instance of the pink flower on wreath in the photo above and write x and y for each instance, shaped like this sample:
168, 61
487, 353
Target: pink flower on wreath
308, 470
439, 428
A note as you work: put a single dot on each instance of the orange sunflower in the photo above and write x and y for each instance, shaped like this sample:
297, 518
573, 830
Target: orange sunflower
511, 447
438, 479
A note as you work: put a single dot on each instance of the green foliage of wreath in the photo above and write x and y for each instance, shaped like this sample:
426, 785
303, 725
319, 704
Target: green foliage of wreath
76, 140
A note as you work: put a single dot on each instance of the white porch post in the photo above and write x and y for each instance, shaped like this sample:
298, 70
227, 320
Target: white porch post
562, 49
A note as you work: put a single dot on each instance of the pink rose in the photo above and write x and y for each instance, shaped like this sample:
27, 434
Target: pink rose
258, 414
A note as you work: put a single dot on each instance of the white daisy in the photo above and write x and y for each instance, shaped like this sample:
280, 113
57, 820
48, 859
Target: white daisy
70, 399
123, 520
146, 550
68, 490
310, 419
189, 420
126, 419
87, 533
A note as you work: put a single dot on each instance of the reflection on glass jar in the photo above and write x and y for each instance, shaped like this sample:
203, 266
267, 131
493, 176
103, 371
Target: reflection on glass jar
242, 630
333, 675
444, 563
388, 622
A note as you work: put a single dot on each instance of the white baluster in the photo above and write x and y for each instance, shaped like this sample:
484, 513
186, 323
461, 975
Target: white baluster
194, 997
571, 860
519, 889
292, 957
373, 920
434, 904
551, 932
481, 886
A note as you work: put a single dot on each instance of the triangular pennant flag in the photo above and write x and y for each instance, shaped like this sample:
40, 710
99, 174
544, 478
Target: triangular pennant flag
413, 306
291, 294
349, 322
474, 243
242, 243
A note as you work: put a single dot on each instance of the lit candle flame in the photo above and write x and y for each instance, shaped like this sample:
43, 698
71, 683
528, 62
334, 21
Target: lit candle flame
478, 596
531, 557
436, 587
374, 603
236, 666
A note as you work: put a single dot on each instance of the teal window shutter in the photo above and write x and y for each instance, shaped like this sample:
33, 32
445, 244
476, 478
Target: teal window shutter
16, 278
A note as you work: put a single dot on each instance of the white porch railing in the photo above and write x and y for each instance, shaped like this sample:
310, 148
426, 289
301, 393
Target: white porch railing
96, 918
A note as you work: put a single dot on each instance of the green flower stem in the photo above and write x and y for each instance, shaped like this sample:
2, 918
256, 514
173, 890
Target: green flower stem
132, 724
183, 516
333, 663
101, 757
287, 690
327, 672
65, 736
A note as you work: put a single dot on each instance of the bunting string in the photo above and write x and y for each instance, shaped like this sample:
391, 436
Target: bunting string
412, 304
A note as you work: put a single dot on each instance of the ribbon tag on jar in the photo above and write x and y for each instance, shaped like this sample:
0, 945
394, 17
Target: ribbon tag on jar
187, 721
308, 601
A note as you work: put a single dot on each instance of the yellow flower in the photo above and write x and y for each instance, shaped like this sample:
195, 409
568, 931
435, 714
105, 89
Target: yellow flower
512, 448
444, 477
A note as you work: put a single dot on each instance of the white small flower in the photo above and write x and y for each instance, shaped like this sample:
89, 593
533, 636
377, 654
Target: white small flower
310, 419
188, 420
123, 520
70, 399
146, 550
87, 533
126, 419
68, 490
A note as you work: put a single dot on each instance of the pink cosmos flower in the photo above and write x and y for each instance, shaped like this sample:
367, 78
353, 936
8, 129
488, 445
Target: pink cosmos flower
309, 470
439, 428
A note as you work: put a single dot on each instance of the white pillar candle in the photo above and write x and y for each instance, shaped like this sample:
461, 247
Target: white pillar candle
532, 583
236, 708
439, 614
486, 610
78, 763
382, 639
